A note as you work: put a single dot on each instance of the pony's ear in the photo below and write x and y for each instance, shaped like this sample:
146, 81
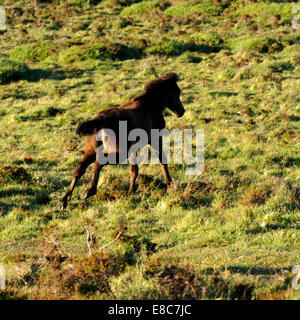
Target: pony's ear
156, 75
171, 76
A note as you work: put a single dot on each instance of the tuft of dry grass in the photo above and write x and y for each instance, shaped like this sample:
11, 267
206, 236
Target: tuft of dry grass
256, 194
177, 283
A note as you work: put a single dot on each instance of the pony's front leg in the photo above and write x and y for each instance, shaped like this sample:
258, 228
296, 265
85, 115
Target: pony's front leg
167, 176
93, 189
163, 161
79, 172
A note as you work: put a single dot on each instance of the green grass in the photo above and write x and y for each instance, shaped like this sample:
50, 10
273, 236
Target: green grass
260, 44
263, 11
140, 8
231, 233
202, 7
34, 52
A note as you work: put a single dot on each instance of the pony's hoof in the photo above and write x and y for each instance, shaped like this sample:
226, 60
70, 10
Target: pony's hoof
62, 205
88, 194
171, 187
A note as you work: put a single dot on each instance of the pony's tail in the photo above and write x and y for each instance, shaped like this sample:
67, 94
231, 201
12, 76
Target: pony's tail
89, 127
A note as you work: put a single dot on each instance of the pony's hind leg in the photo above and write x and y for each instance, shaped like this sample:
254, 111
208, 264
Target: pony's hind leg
134, 171
93, 189
88, 159
165, 169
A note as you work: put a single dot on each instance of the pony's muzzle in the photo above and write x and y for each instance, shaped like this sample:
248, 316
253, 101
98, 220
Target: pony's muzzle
180, 112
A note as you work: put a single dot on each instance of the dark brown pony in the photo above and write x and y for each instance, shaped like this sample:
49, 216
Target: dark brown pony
144, 111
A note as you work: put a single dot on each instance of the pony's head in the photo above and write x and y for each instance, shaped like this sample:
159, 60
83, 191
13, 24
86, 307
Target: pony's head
166, 88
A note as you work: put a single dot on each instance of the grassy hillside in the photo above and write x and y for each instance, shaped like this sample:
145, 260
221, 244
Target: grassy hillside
231, 233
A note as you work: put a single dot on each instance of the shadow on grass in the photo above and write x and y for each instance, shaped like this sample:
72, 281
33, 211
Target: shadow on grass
52, 74
33, 199
14, 191
292, 161
254, 270
5, 209
271, 227
39, 163
206, 120
294, 118
222, 94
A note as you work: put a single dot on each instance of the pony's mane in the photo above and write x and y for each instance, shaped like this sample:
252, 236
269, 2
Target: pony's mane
159, 83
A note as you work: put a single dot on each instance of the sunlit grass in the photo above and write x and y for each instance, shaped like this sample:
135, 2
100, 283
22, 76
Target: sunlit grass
237, 223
